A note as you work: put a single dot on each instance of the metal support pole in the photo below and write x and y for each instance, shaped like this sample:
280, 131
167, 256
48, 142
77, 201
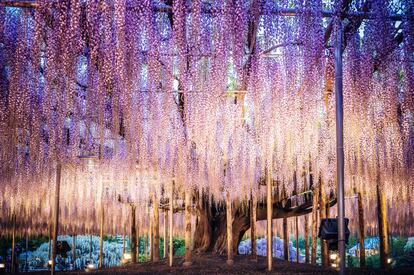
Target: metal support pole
56, 216
340, 145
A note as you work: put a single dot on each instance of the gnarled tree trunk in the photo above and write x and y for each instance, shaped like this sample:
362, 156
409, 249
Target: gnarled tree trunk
211, 232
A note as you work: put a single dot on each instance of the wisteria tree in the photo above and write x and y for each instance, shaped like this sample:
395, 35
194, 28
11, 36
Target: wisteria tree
216, 96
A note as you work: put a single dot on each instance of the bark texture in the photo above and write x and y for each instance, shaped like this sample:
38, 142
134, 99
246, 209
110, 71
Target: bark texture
211, 228
133, 235
210, 234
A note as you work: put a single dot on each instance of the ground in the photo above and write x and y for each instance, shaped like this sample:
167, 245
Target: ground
242, 265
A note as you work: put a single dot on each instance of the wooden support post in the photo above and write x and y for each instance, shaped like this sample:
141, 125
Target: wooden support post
285, 240
151, 237
361, 231
26, 267
13, 256
56, 216
138, 232
133, 235
323, 215
156, 229
90, 248
49, 247
306, 239
187, 235
229, 220
269, 205
382, 225
314, 222
253, 226
101, 236
123, 245
171, 212
297, 239
165, 246
74, 250
146, 245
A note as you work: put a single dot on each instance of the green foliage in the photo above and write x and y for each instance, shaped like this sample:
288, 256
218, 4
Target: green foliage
352, 261
34, 242
397, 246
142, 258
373, 261
407, 260
301, 242
110, 238
178, 247
353, 240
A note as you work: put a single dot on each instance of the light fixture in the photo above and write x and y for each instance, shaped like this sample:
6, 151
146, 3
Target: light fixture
126, 258
2, 266
49, 262
389, 260
90, 266
334, 265
333, 256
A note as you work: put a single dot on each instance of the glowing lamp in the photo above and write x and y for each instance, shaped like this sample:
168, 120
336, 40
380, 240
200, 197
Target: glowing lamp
2, 266
126, 258
389, 260
333, 256
49, 262
334, 265
90, 266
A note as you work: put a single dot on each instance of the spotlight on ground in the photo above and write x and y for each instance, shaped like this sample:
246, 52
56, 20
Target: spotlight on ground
90, 267
126, 258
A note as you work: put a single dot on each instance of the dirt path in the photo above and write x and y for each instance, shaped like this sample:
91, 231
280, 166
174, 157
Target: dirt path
242, 265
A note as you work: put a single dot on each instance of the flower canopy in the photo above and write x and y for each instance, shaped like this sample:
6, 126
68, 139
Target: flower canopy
131, 95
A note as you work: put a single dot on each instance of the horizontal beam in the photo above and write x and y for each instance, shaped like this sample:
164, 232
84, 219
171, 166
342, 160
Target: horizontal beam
19, 4
207, 9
